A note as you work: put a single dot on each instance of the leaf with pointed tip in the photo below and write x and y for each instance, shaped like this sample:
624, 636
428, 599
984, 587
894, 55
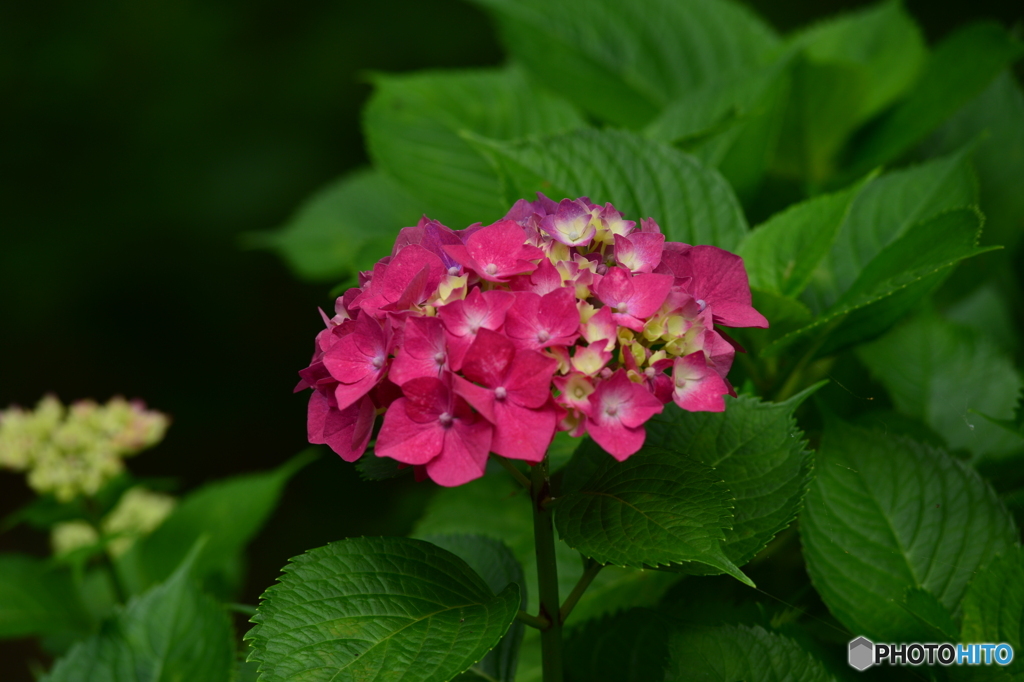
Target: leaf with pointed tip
658, 508
642, 178
172, 632
413, 121
623, 62
229, 513
344, 228
363, 608
781, 254
736, 652
38, 597
936, 371
884, 212
961, 67
494, 562
886, 514
893, 282
757, 450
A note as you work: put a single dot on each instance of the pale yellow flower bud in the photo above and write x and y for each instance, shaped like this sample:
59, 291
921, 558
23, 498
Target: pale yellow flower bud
138, 513
71, 535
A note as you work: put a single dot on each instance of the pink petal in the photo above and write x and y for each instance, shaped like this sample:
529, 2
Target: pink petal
463, 457
497, 252
424, 352
522, 433
639, 252
408, 440
488, 359
347, 431
719, 279
316, 415
539, 321
528, 380
617, 440
571, 224
698, 387
426, 398
480, 398
406, 266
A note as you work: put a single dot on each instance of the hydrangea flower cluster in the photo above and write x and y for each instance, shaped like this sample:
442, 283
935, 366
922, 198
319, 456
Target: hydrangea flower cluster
75, 451
139, 512
560, 316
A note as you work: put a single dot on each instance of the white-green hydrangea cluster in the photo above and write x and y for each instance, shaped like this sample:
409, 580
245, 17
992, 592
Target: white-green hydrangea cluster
75, 451
138, 513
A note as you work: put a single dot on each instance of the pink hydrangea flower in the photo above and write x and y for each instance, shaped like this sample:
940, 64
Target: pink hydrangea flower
560, 316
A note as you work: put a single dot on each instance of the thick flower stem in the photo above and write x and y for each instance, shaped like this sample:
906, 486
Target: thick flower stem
547, 575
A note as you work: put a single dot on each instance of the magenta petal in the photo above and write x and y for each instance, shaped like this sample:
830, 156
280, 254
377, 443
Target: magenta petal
698, 387
497, 251
406, 440
347, 431
639, 252
522, 433
617, 440
405, 267
720, 280
480, 398
347, 394
316, 415
424, 351
464, 454
488, 359
426, 398
528, 381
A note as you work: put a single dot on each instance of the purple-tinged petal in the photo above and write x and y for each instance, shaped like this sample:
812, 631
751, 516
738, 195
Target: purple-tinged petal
639, 252
571, 224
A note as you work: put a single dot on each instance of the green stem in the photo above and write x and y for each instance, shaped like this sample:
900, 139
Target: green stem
511, 468
547, 575
532, 621
105, 558
592, 568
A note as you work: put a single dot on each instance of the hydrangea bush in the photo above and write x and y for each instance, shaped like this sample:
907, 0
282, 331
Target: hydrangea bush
723, 445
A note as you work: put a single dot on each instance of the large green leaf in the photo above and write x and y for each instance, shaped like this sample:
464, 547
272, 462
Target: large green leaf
886, 514
641, 177
993, 609
893, 282
960, 68
630, 646
412, 126
757, 450
996, 116
359, 607
38, 597
852, 67
228, 513
171, 633
736, 652
493, 561
940, 372
658, 508
882, 213
781, 254
345, 227
622, 62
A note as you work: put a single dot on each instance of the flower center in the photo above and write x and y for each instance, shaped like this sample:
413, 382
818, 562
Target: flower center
611, 410
702, 303
377, 362
439, 357
453, 270
500, 393
446, 419
543, 335
490, 268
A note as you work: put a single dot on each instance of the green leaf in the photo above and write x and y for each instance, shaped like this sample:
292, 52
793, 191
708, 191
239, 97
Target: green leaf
939, 372
782, 253
893, 282
736, 652
356, 607
657, 508
852, 67
960, 68
345, 227
641, 177
493, 561
885, 211
229, 513
630, 646
929, 611
993, 609
412, 125
373, 468
987, 311
886, 514
38, 598
995, 121
623, 62
756, 449
172, 632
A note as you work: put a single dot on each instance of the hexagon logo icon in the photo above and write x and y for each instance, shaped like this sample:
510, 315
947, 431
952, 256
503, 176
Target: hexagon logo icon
862, 653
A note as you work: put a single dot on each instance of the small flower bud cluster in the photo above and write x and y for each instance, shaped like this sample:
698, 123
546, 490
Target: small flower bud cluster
560, 316
75, 451
138, 513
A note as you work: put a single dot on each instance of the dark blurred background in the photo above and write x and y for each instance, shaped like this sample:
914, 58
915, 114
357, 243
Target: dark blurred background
137, 141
